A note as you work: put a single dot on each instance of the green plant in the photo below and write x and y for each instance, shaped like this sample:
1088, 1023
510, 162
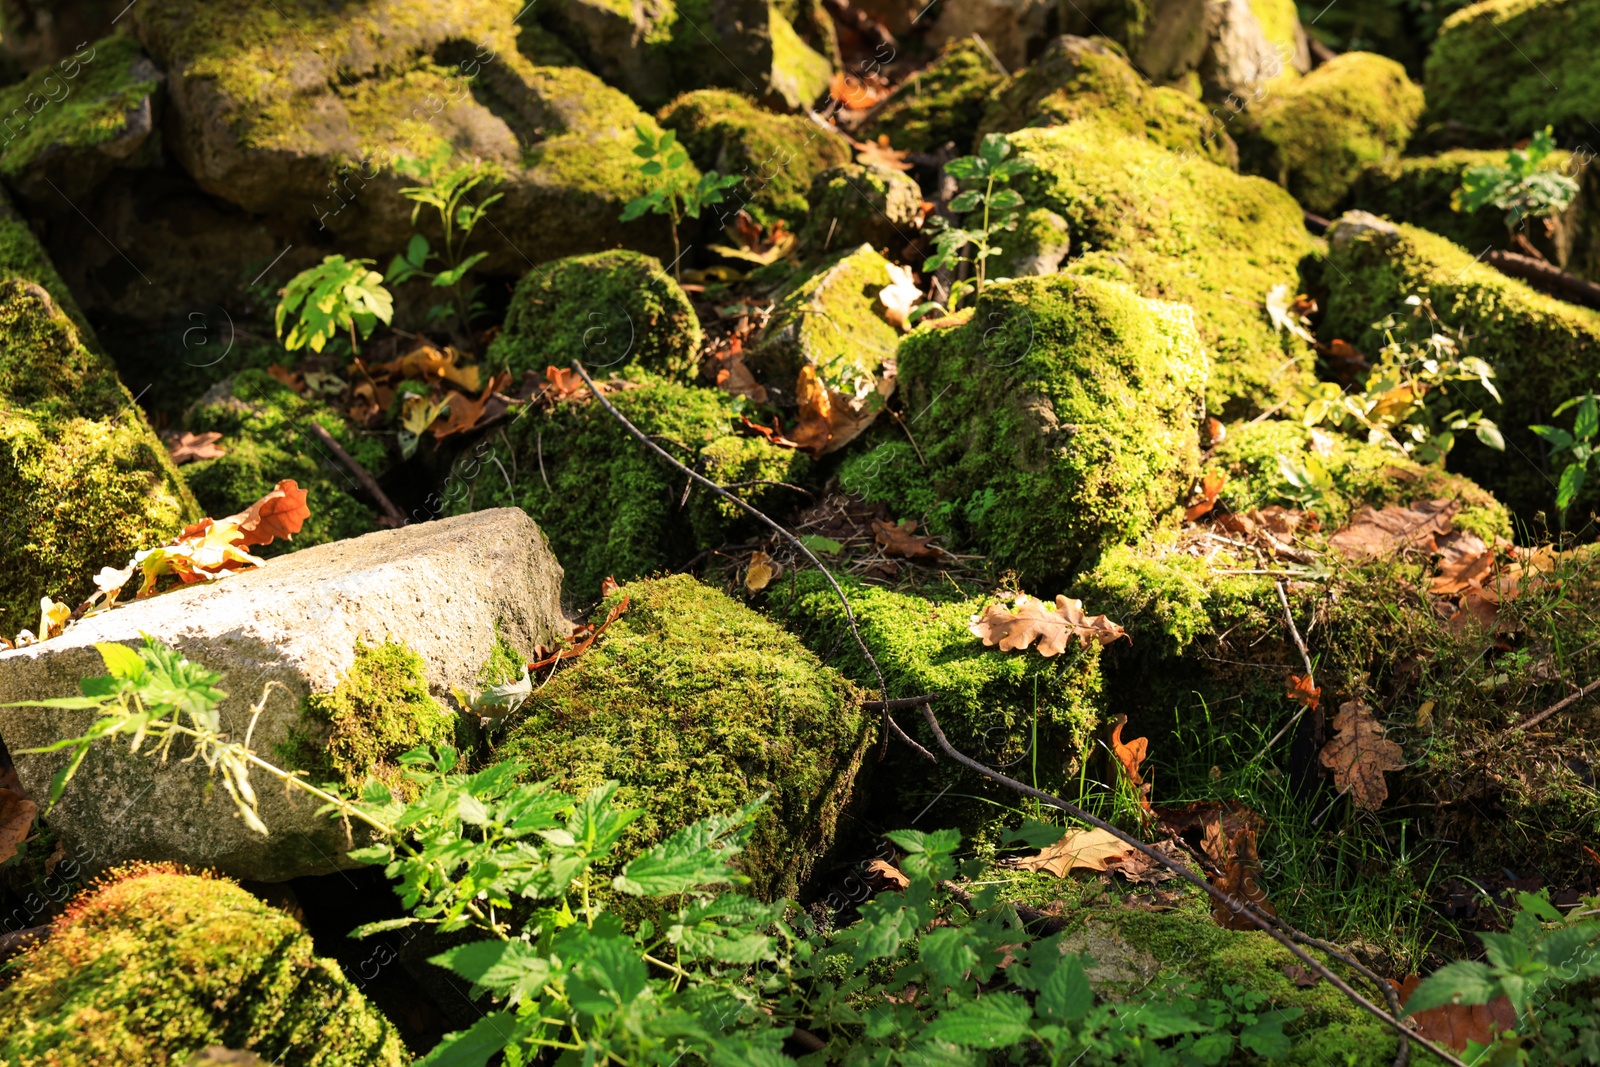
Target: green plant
990, 167
1520, 187
673, 191
1577, 446
337, 294
444, 188
1401, 403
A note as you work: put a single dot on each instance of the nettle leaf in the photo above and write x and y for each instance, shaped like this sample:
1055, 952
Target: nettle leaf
695, 856
883, 928
609, 974
475, 1046
505, 968
995, 1020
1066, 993
1463, 982
949, 953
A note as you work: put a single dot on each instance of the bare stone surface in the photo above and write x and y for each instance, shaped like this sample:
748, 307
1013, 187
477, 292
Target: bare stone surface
441, 587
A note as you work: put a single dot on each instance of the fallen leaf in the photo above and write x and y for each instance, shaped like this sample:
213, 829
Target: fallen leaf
464, 412
879, 154
52, 618
1425, 714
773, 433
1359, 755
1130, 754
1215, 823
1087, 850
1346, 362
1300, 976
888, 874
1454, 1025
1210, 485
815, 427
735, 377
898, 540
17, 813
430, 364
900, 296
1053, 626
1215, 431
1290, 313
192, 446
280, 513
609, 586
760, 571
1238, 880
856, 93
292, 379
1394, 529
1302, 691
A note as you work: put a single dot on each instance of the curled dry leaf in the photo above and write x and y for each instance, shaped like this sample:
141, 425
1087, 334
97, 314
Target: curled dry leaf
1453, 1025
735, 377
465, 412
1130, 754
430, 364
280, 513
1359, 755
761, 571
1302, 691
816, 408
1078, 850
1053, 626
1394, 529
900, 296
1210, 486
1239, 881
1215, 432
193, 446
17, 813
886, 875
900, 540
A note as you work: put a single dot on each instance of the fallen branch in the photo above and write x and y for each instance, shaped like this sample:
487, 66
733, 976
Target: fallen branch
890, 725
1546, 278
899, 702
1560, 705
1239, 907
395, 516
1305, 657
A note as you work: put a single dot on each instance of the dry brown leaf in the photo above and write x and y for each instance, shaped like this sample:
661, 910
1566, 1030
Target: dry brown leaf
193, 446
1394, 529
280, 513
899, 540
1238, 880
856, 93
609, 586
1085, 850
1210, 486
431, 364
815, 426
1300, 976
1216, 823
879, 154
293, 379
1453, 1025
563, 382
1053, 627
1302, 691
1359, 755
17, 813
887, 874
464, 411
773, 433
761, 571
900, 296
1215, 431
735, 377
1130, 754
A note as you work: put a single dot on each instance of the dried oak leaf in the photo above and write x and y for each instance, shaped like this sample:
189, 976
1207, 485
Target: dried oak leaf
886, 875
761, 571
1054, 627
563, 382
1359, 754
431, 364
293, 379
1216, 823
815, 426
1087, 850
17, 813
899, 540
1300, 976
1374, 533
464, 411
1238, 880
1453, 1025
734, 375
193, 446
1130, 754
280, 513
1302, 691
1210, 486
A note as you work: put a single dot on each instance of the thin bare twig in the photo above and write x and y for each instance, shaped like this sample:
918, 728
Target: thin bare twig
1239, 907
1560, 705
899, 702
368, 482
1305, 657
890, 725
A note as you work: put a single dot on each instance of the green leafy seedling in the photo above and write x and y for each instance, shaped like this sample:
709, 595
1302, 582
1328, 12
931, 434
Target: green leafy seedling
336, 295
674, 192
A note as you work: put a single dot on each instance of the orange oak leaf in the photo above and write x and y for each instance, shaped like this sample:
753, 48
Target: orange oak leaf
734, 375
1087, 850
1374, 533
1453, 1025
899, 540
193, 446
1053, 626
1130, 754
1359, 754
1302, 691
464, 411
1238, 880
1210, 486
280, 513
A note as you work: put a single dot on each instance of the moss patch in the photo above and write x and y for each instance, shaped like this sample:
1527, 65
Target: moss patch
266, 430
853, 205
1184, 229
1079, 77
1315, 136
616, 311
1058, 421
156, 965
944, 101
698, 705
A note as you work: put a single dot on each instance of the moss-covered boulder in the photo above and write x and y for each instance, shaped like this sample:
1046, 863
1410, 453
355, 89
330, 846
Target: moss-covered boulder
266, 432
1005, 708
698, 705
1166, 39
1080, 77
1509, 67
1056, 421
616, 311
1178, 227
833, 321
69, 124
1315, 136
1280, 24
608, 506
943, 102
854, 205
153, 965
777, 156
300, 109
1542, 349
87, 482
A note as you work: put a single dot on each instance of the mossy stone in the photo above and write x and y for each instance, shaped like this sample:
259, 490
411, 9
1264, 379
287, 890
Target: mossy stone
943, 102
1315, 136
154, 965
266, 432
1181, 228
608, 506
776, 156
854, 205
615, 311
697, 705
1509, 67
1088, 77
1057, 421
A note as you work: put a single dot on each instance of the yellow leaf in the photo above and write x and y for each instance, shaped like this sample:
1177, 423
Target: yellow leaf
761, 571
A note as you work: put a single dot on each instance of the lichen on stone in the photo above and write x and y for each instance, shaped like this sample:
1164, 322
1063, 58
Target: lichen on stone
153, 964
698, 705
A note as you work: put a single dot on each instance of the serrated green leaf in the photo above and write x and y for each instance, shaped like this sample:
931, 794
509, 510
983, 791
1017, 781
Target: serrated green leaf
995, 1020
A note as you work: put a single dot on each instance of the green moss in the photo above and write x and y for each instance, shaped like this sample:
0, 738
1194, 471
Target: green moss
800, 73
157, 965
1011, 709
504, 663
608, 506
49, 111
266, 430
1280, 23
1315, 136
1511, 66
616, 311
777, 155
854, 205
1057, 422
1417, 190
698, 705
942, 102
1542, 349
1079, 77
1183, 229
